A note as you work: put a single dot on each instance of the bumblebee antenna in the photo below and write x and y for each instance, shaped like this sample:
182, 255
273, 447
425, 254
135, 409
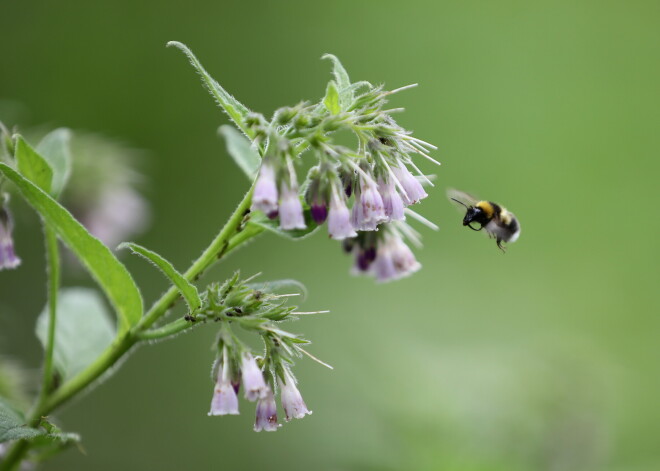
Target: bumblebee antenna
460, 202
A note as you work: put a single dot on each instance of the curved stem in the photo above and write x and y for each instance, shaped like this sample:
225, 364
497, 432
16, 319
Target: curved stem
234, 233
215, 251
167, 330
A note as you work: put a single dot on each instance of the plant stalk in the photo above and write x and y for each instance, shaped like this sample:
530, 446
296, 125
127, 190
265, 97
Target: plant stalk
232, 235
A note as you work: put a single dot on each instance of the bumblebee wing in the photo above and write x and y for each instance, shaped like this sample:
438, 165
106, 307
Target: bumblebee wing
461, 199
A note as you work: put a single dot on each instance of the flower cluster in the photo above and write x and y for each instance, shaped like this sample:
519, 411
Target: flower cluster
360, 190
384, 254
257, 310
225, 394
8, 258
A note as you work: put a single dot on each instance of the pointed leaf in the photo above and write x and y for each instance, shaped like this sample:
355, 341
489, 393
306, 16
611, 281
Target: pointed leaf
331, 100
54, 147
13, 425
343, 82
53, 442
83, 330
234, 108
187, 289
111, 275
32, 165
241, 150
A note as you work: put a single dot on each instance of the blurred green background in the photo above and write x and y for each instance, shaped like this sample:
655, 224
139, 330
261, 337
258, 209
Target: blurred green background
546, 358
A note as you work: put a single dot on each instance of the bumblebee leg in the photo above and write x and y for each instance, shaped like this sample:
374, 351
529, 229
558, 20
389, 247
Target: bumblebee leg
499, 244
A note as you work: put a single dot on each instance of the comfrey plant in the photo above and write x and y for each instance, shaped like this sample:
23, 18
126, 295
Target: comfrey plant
363, 192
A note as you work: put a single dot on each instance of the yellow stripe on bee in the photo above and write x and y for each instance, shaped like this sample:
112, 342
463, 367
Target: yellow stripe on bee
505, 216
487, 208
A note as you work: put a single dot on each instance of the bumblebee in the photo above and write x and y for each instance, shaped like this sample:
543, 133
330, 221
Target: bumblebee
498, 222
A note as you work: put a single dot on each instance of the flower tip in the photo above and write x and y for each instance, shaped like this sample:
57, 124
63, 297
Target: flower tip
216, 412
267, 428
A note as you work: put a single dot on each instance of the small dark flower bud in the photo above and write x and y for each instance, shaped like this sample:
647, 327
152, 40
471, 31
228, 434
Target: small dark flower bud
285, 115
348, 244
255, 120
370, 253
362, 261
319, 213
347, 182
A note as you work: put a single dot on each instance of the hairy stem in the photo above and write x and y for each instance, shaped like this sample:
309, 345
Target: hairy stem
167, 330
214, 252
230, 237
53, 260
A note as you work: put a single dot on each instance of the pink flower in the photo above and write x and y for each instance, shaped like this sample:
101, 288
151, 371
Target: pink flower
339, 218
394, 260
291, 211
253, 379
225, 401
265, 190
8, 258
411, 186
292, 401
266, 414
368, 210
392, 202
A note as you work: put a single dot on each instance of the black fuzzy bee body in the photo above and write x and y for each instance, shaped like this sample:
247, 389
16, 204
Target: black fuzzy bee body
498, 221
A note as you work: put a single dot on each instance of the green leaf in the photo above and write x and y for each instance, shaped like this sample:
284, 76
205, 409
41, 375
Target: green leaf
53, 442
32, 165
13, 426
331, 100
343, 82
111, 275
54, 147
187, 289
234, 108
84, 330
261, 220
240, 149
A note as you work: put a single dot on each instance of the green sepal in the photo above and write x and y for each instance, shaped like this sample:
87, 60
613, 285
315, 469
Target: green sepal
343, 82
331, 99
